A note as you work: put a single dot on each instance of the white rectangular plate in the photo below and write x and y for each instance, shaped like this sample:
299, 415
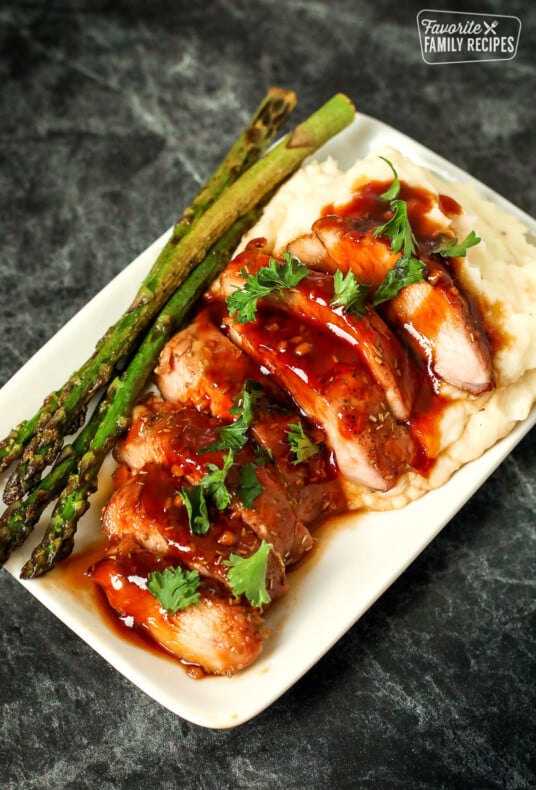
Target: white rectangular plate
355, 564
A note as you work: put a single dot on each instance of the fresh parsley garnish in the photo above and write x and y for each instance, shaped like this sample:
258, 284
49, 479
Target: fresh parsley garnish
408, 270
301, 445
214, 482
405, 272
174, 588
212, 485
234, 436
399, 230
349, 293
394, 189
455, 249
249, 487
247, 575
263, 455
277, 276
197, 509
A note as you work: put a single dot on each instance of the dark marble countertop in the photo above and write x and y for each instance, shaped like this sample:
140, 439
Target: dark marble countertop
112, 114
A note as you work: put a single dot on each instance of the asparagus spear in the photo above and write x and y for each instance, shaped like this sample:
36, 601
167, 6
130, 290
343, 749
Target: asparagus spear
267, 120
174, 264
73, 502
19, 519
252, 143
114, 411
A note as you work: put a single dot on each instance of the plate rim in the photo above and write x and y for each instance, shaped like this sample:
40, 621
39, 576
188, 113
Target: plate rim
126, 283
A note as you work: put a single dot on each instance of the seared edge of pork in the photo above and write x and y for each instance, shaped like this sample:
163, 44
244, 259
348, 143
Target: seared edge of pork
147, 510
434, 315
218, 634
202, 367
172, 436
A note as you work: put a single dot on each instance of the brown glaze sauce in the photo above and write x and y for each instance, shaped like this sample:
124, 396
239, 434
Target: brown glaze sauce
328, 357
294, 340
72, 574
368, 209
160, 500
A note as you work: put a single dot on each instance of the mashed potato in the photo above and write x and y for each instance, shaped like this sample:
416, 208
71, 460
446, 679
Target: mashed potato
499, 274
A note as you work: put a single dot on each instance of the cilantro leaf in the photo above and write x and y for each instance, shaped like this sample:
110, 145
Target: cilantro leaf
212, 485
248, 396
399, 230
349, 293
263, 455
174, 588
300, 444
196, 507
234, 436
214, 482
277, 276
455, 249
405, 272
231, 437
394, 189
247, 575
250, 486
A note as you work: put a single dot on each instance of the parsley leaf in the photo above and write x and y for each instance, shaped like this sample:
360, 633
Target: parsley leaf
399, 230
300, 444
349, 293
250, 486
196, 507
174, 588
263, 455
405, 272
394, 189
247, 575
212, 485
234, 436
214, 482
455, 249
277, 276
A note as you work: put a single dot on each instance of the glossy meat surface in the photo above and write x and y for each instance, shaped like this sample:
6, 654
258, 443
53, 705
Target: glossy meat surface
334, 389
148, 511
172, 437
199, 367
220, 636
312, 486
434, 314
439, 325
381, 352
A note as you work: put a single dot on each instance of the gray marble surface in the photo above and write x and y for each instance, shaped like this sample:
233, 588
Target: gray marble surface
111, 115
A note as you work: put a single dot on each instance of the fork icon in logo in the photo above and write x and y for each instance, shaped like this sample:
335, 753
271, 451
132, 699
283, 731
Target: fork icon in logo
489, 27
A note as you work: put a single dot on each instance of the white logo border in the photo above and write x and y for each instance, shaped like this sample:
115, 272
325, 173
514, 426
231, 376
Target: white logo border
472, 14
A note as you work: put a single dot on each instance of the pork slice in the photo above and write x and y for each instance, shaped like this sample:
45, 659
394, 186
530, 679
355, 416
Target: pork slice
330, 384
310, 251
148, 511
350, 249
200, 367
171, 436
388, 361
175, 437
220, 636
312, 486
434, 315
438, 323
